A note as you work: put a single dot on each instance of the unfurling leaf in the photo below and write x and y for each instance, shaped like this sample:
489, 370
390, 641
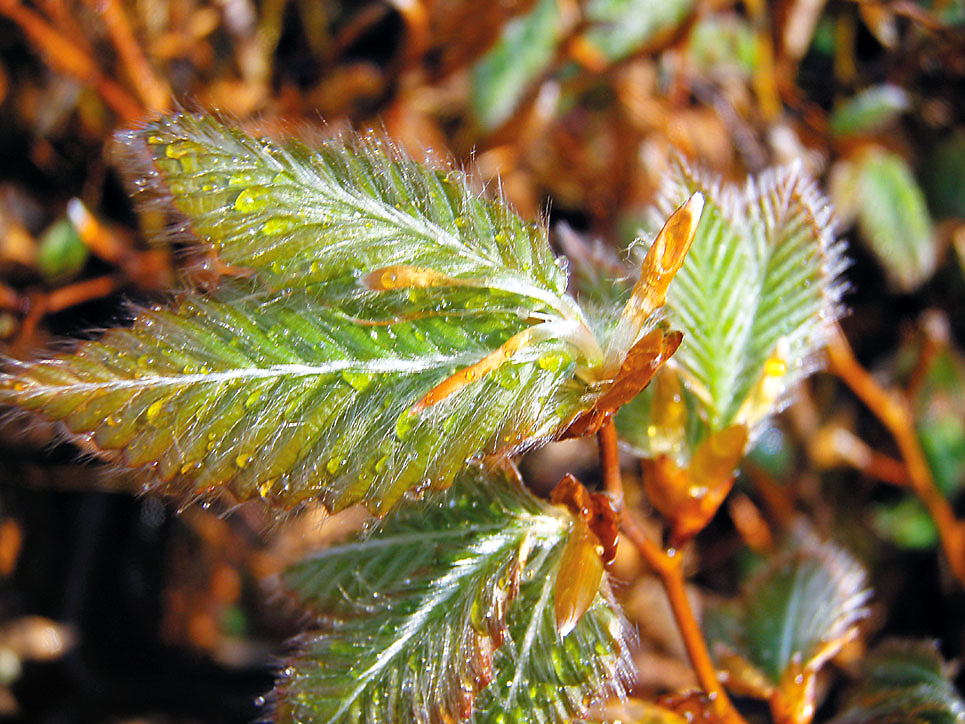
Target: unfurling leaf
904, 681
754, 300
444, 610
387, 325
689, 497
792, 617
639, 366
659, 267
880, 190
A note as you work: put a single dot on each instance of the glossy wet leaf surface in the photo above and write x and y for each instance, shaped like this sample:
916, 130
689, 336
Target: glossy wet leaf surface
792, 617
445, 609
381, 326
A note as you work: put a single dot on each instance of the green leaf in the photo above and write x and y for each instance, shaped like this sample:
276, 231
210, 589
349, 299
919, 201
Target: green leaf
343, 216
723, 43
446, 607
906, 523
523, 53
943, 176
621, 27
754, 299
397, 328
869, 111
283, 397
797, 611
879, 188
904, 681
61, 253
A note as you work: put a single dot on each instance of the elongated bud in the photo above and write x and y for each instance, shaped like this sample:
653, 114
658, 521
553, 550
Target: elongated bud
407, 277
660, 266
579, 577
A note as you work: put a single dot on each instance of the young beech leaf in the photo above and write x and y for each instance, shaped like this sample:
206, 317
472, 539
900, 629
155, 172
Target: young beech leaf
355, 218
444, 610
591, 546
754, 299
391, 326
904, 680
287, 398
792, 617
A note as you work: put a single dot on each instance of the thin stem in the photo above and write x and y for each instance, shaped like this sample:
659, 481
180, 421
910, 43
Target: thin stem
668, 565
68, 57
151, 89
610, 462
895, 413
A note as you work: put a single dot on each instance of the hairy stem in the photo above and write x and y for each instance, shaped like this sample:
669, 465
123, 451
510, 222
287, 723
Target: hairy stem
610, 462
668, 565
68, 57
895, 413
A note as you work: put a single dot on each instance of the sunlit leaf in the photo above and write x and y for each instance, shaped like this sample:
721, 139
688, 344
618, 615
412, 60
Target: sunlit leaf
880, 190
396, 327
283, 397
502, 77
754, 300
354, 218
904, 682
791, 618
445, 609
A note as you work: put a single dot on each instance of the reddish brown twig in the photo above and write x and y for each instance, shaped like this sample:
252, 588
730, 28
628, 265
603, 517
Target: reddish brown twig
668, 567
610, 462
68, 57
895, 413
153, 91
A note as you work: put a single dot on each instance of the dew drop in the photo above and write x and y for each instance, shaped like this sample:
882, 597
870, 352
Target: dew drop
252, 200
360, 381
404, 424
154, 410
551, 362
274, 227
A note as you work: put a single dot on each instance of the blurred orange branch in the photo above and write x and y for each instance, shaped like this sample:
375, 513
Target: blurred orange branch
68, 57
153, 91
668, 565
895, 413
